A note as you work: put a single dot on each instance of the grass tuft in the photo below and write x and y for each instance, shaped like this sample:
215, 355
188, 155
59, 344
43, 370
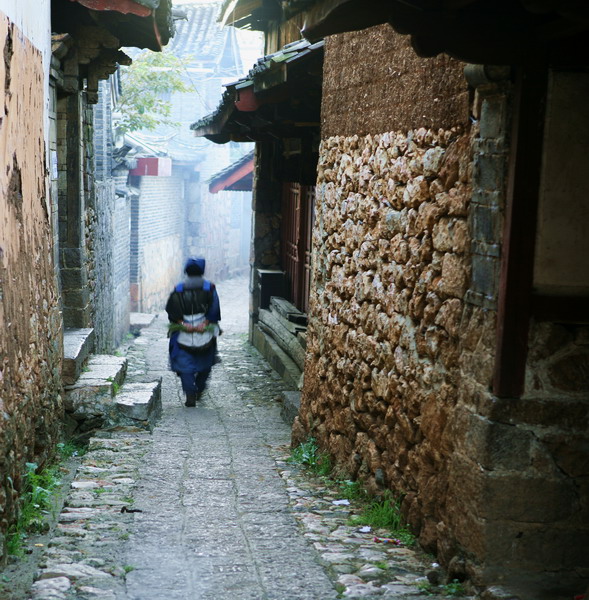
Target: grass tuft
36, 504
308, 455
385, 513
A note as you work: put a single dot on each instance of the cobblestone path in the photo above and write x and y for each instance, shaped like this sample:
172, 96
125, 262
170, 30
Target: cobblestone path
206, 506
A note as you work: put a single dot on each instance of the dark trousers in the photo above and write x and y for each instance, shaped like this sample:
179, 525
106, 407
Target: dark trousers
194, 383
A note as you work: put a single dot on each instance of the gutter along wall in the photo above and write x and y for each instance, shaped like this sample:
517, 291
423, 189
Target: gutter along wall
401, 341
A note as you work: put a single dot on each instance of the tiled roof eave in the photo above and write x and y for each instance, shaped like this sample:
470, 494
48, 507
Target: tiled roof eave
268, 65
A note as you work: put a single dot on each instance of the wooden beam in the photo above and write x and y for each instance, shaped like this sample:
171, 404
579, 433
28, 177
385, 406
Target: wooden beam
517, 261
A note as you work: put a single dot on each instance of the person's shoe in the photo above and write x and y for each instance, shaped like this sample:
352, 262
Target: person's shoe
191, 399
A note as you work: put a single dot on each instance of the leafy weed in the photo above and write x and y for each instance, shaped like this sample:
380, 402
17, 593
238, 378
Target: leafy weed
308, 455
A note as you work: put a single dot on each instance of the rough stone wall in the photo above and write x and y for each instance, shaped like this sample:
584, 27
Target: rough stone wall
391, 340
407, 247
396, 356
30, 326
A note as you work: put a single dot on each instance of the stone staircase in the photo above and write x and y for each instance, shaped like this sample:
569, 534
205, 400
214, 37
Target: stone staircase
97, 392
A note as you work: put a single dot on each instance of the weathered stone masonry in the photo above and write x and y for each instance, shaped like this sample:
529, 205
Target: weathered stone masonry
30, 325
401, 344
391, 337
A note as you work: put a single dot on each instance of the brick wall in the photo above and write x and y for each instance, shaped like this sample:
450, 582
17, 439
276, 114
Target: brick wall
158, 217
108, 235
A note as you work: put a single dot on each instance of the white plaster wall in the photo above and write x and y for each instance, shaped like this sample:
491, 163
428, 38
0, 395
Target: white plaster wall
33, 19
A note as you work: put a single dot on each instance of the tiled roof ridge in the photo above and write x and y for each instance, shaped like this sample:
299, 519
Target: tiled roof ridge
200, 34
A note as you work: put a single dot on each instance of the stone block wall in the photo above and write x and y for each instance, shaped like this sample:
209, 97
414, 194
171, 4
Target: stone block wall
224, 226
108, 234
157, 232
30, 323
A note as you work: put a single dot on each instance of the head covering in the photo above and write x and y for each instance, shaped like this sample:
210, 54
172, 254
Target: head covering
194, 265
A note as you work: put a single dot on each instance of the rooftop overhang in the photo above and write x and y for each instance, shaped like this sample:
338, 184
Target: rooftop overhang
279, 98
477, 31
237, 177
138, 23
240, 13
87, 36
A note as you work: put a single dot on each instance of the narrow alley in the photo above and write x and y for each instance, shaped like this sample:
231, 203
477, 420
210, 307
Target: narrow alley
206, 507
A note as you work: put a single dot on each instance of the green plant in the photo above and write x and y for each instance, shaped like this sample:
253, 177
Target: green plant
145, 84
70, 448
36, 503
116, 387
385, 513
352, 490
308, 455
426, 588
454, 588
381, 564
128, 568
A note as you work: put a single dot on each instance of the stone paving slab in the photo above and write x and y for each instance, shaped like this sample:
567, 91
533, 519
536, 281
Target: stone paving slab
141, 401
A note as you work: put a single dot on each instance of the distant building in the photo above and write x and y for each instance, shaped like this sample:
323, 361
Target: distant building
171, 217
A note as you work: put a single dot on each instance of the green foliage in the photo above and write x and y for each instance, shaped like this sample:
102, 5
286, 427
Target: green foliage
385, 513
36, 503
145, 85
66, 450
454, 588
353, 490
448, 590
308, 455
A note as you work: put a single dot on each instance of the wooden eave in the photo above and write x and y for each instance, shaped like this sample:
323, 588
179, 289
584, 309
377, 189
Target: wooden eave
136, 23
237, 177
281, 97
478, 31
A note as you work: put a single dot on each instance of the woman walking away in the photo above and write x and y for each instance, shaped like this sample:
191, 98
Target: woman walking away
194, 313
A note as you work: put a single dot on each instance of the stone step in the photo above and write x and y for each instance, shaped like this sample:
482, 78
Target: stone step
92, 394
139, 321
277, 358
77, 346
288, 310
291, 403
140, 403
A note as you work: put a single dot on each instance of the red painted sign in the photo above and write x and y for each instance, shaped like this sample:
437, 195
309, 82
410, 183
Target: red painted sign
122, 6
154, 166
